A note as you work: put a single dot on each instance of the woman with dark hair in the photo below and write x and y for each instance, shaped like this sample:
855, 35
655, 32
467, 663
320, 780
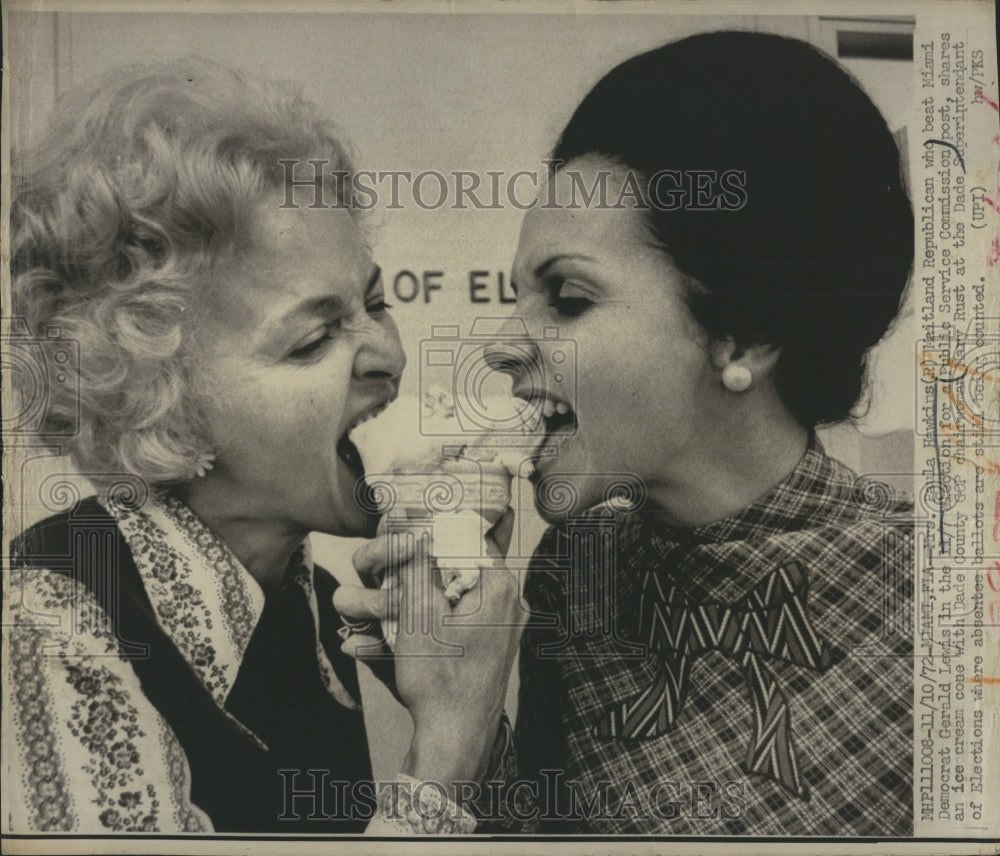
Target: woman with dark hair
768, 698
715, 658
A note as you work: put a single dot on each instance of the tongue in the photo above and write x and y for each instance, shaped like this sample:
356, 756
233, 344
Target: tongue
349, 454
561, 423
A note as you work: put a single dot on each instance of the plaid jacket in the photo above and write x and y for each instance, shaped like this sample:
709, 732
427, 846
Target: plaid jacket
850, 721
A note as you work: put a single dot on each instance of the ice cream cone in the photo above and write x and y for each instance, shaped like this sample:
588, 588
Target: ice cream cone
462, 486
463, 500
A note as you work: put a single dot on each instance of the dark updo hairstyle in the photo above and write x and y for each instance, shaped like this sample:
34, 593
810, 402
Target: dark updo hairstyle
817, 258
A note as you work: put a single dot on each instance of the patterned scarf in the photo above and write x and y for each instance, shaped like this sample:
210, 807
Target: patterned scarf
769, 622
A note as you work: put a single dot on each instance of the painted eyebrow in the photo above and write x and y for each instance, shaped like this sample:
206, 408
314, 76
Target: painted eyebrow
328, 303
376, 275
543, 268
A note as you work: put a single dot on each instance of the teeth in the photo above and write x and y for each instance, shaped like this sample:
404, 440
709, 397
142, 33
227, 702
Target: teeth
550, 407
361, 420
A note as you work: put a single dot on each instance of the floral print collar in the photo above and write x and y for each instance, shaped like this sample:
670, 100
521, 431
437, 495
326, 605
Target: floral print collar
206, 601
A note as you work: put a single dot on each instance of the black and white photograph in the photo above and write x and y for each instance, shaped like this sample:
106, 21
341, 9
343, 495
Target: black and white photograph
505, 425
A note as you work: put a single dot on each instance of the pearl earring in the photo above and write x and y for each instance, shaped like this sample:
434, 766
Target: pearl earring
736, 378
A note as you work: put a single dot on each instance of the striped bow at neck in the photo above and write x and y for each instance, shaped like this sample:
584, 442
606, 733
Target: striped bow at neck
770, 622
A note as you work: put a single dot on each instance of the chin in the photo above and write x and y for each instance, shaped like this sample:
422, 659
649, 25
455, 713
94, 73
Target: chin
560, 496
369, 528
360, 525
346, 521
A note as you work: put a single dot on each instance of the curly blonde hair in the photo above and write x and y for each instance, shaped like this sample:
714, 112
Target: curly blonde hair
141, 186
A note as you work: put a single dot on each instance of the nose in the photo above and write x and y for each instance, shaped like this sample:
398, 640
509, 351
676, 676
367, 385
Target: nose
514, 351
381, 355
510, 358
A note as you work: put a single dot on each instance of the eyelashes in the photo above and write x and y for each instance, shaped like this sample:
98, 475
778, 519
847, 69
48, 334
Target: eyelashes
377, 306
312, 348
570, 304
566, 296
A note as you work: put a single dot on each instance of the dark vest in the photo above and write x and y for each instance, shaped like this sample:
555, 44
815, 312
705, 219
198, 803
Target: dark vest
278, 693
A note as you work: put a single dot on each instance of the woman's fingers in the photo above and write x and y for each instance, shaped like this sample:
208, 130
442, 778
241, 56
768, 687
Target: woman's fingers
389, 549
376, 655
365, 648
494, 602
498, 538
361, 604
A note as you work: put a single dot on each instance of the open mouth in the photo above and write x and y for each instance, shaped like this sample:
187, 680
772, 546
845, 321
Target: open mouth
558, 420
347, 451
349, 454
559, 417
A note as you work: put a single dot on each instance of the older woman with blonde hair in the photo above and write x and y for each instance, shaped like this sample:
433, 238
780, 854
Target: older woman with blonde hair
175, 662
